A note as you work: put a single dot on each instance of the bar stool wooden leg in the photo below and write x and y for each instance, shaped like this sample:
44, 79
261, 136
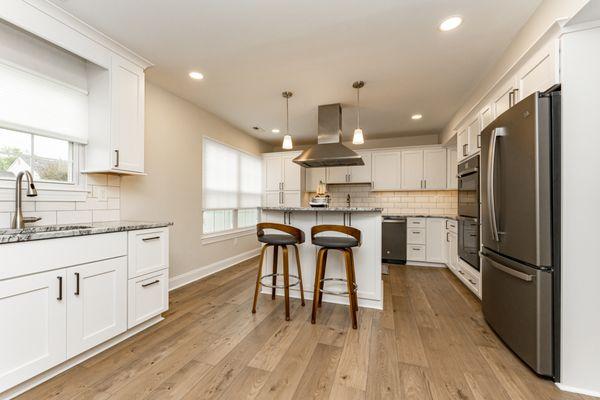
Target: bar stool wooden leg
286, 281
275, 248
355, 293
299, 275
324, 265
259, 275
313, 318
349, 281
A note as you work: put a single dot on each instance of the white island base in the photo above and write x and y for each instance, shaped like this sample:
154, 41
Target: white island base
367, 257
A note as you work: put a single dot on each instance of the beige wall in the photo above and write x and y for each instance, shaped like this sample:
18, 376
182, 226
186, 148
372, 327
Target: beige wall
172, 190
548, 12
379, 143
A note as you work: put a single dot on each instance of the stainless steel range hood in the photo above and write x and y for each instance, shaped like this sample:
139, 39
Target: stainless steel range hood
329, 150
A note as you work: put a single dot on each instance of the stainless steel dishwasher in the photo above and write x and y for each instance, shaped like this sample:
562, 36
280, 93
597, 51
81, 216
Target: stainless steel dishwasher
393, 242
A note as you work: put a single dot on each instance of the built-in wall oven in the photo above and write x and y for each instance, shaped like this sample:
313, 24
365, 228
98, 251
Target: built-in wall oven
468, 211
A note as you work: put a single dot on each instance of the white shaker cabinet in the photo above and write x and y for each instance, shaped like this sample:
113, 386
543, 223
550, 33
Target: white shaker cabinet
116, 134
386, 170
424, 169
354, 174
474, 132
451, 169
96, 303
313, 177
32, 337
436, 235
283, 179
539, 73
462, 143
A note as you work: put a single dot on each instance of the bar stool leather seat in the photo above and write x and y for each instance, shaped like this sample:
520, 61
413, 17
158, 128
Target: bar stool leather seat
333, 242
278, 239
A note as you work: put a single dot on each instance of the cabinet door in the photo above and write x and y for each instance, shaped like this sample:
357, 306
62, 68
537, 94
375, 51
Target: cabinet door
474, 132
362, 174
539, 73
502, 99
273, 199
273, 173
32, 337
148, 296
434, 169
313, 177
337, 175
462, 143
292, 173
436, 230
291, 199
412, 170
486, 116
127, 119
386, 170
453, 260
452, 169
96, 303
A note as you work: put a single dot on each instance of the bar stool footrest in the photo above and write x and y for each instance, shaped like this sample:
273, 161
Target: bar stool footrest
268, 285
355, 289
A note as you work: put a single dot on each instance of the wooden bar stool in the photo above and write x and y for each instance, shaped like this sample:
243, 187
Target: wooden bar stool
290, 237
345, 245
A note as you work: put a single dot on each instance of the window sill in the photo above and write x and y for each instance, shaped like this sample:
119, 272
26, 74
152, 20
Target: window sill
227, 235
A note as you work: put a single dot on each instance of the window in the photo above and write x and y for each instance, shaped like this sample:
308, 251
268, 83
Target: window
231, 188
48, 159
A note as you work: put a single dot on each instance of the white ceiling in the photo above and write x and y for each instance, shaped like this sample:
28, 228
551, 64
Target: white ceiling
250, 51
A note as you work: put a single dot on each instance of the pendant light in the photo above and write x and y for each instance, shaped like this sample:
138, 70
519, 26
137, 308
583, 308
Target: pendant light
287, 139
358, 137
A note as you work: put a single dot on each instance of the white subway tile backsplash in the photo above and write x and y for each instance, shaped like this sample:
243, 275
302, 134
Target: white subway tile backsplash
102, 204
105, 215
73, 217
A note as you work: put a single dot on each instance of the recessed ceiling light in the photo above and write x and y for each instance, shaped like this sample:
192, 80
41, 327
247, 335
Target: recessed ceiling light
450, 23
417, 116
196, 75
275, 130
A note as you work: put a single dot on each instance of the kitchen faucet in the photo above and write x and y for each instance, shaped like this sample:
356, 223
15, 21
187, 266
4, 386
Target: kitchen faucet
348, 200
18, 221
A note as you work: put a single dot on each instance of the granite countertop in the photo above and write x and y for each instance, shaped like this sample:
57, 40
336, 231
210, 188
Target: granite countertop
60, 231
324, 209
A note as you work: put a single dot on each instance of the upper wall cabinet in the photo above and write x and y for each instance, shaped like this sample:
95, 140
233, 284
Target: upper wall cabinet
282, 180
386, 170
452, 180
424, 169
357, 174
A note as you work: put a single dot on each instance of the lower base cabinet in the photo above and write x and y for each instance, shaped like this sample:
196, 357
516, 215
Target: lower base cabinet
96, 303
49, 317
34, 321
148, 297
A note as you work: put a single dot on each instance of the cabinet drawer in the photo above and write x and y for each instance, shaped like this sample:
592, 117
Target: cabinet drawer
452, 225
468, 278
416, 222
148, 251
415, 236
148, 297
415, 252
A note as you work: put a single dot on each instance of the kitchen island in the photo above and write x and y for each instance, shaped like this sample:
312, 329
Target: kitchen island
367, 257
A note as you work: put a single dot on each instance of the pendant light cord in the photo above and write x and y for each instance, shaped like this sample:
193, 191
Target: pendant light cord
358, 105
287, 115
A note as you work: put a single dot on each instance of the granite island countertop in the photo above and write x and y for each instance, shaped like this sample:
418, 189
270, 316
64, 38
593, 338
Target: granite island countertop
324, 209
454, 217
43, 232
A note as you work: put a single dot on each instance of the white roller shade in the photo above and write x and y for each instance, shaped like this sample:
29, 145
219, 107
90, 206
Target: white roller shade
250, 180
33, 103
231, 178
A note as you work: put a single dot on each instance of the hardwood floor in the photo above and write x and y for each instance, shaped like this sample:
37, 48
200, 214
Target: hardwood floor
430, 342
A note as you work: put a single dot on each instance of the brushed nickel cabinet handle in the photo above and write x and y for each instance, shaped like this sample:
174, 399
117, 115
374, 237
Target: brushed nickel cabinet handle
150, 283
116, 158
60, 287
151, 238
76, 283
448, 237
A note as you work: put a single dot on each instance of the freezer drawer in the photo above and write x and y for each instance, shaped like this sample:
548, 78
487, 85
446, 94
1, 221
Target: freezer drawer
517, 304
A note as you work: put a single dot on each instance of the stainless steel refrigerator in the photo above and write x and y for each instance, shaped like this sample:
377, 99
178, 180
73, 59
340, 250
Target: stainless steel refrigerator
520, 164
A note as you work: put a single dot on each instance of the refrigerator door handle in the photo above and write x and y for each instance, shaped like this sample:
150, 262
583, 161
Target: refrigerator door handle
517, 274
496, 133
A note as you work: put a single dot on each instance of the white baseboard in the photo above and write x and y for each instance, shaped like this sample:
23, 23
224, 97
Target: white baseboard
566, 388
70, 363
204, 271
